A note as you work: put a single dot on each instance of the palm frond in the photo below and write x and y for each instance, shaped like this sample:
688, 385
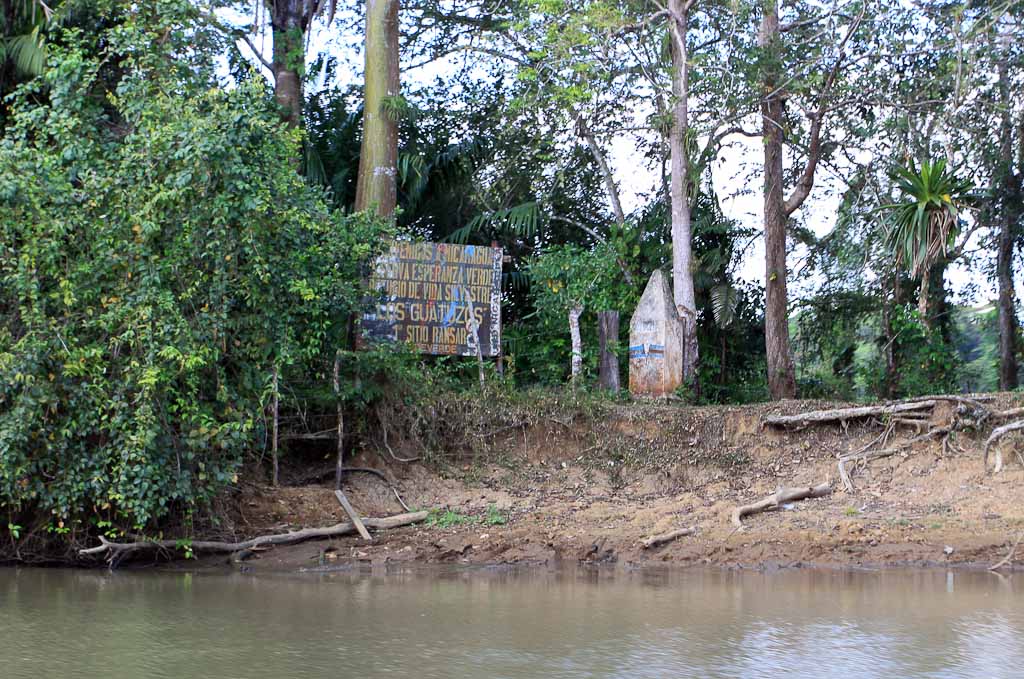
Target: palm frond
724, 300
516, 280
925, 225
520, 220
27, 52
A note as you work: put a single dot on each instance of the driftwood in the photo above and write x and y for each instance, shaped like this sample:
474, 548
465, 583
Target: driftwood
777, 499
356, 521
843, 414
658, 540
115, 551
1009, 557
998, 433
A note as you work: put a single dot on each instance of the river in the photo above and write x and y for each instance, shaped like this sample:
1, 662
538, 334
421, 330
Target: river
481, 623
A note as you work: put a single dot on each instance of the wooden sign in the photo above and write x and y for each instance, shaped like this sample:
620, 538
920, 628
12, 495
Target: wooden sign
440, 298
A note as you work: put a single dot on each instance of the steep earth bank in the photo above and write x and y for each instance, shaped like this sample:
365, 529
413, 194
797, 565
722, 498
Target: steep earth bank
552, 491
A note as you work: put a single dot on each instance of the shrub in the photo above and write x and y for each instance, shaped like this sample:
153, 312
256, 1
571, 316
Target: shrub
159, 256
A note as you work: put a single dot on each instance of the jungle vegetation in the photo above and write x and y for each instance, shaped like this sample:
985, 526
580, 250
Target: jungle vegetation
191, 192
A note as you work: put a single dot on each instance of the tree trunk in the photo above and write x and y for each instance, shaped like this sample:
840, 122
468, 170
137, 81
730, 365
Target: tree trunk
608, 332
576, 363
781, 376
289, 60
275, 405
1008, 205
340, 459
376, 186
922, 296
889, 350
682, 255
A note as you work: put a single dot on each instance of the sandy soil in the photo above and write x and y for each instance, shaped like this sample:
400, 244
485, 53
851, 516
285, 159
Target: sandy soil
550, 500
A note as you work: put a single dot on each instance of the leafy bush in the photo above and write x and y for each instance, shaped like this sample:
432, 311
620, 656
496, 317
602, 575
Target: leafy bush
562, 277
159, 256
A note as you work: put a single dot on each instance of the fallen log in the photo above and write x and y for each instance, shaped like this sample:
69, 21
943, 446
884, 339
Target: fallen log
777, 499
117, 550
1008, 414
658, 540
998, 433
976, 400
842, 414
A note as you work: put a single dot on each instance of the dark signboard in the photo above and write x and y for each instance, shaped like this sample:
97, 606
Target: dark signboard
439, 298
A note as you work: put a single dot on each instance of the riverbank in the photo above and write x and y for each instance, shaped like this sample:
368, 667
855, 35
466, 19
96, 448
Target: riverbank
547, 494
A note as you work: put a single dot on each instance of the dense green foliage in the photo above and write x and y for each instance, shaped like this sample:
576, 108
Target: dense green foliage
168, 246
159, 256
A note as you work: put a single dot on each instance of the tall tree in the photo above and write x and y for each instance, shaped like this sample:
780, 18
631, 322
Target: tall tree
376, 186
679, 185
1007, 191
775, 86
290, 23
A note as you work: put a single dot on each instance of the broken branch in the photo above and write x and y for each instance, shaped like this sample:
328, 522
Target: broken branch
1009, 557
657, 540
779, 498
117, 550
356, 521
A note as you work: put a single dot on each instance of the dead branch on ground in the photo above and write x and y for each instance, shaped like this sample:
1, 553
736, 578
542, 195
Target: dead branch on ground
779, 498
116, 551
1008, 559
658, 540
353, 515
844, 414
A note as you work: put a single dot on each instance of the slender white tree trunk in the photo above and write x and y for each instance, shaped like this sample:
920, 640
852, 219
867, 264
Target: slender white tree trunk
577, 342
682, 236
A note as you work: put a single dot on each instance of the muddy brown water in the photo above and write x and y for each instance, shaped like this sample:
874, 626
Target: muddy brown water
479, 623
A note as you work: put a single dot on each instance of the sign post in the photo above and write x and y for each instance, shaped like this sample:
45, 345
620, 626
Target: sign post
439, 298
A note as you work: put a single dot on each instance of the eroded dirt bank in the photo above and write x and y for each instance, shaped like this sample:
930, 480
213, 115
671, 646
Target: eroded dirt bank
547, 493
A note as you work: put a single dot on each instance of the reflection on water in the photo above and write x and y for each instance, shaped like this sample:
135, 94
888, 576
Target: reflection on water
499, 624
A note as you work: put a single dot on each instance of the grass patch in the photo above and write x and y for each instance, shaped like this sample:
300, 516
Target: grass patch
447, 518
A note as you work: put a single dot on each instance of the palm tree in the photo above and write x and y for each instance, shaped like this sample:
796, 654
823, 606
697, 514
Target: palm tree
22, 38
926, 223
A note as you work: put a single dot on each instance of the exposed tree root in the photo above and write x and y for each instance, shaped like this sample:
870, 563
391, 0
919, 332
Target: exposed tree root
777, 499
384, 437
658, 540
321, 474
116, 551
865, 455
1010, 414
998, 433
970, 413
